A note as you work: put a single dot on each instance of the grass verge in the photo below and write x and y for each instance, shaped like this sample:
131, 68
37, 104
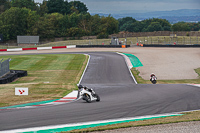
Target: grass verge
49, 77
190, 116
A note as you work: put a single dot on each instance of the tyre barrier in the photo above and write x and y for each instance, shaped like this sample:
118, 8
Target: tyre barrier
168, 45
102, 46
13, 75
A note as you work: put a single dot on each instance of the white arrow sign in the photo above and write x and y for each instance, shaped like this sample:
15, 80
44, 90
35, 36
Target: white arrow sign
21, 91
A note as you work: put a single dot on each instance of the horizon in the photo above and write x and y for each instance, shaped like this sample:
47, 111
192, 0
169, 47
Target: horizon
142, 6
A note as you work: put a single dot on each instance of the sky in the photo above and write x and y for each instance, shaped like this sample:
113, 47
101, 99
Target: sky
137, 6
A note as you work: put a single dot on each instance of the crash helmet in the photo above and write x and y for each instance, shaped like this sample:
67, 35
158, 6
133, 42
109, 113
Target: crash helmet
80, 86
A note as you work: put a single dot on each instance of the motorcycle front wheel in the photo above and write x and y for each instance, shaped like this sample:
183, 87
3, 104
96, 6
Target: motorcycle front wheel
87, 98
98, 98
154, 81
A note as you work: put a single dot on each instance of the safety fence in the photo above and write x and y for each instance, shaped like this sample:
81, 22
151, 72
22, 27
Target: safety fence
4, 67
179, 40
162, 40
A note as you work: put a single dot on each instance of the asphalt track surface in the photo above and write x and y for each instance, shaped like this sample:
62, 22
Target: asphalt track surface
108, 75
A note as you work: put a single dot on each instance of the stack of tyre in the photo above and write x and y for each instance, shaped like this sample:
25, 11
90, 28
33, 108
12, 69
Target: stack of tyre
12, 75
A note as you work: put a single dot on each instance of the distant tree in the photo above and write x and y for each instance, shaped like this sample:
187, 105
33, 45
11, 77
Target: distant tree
194, 26
138, 26
128, 26
162, 22
94, 25
167, 28
42, 9
24, 3
53, 18
4, 5
46, 26
75, 32
131, 25
31, 19
85, 18
154, 26
59, 6
180, 26
129, 20
109, 25
78, 7
63, 25
17, 21
74, 19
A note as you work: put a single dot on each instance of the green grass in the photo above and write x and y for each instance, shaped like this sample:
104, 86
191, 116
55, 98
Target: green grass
49, 77
198, 71
138, 78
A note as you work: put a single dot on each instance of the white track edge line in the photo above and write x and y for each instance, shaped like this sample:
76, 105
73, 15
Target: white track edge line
128, 67
35, 129
85, 69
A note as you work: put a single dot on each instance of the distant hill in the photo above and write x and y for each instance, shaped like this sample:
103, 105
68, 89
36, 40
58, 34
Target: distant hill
174, 16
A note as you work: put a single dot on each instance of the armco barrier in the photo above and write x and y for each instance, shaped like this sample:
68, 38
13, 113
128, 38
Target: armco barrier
102, 46
9, 78
167, 45
20, 73
70, 46
14, 74
37, 48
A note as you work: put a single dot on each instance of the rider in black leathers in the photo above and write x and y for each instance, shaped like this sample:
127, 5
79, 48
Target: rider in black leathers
86, 88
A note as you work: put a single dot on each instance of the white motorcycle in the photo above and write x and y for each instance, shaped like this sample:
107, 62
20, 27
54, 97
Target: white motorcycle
153, 79
87, 94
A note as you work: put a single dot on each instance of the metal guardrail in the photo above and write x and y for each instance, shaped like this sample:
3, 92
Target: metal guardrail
4, 67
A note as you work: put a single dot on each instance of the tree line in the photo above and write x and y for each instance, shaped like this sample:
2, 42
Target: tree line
60, 18
155, 24
52, 18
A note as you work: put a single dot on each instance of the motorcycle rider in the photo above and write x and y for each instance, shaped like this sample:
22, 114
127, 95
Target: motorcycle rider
89, 89
87, 94
152, 75
86, 88
80, 86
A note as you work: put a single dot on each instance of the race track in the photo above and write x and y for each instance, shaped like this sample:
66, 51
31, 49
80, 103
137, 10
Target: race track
109, 76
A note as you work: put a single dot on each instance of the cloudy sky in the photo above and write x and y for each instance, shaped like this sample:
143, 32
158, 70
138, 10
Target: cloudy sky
126, 6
